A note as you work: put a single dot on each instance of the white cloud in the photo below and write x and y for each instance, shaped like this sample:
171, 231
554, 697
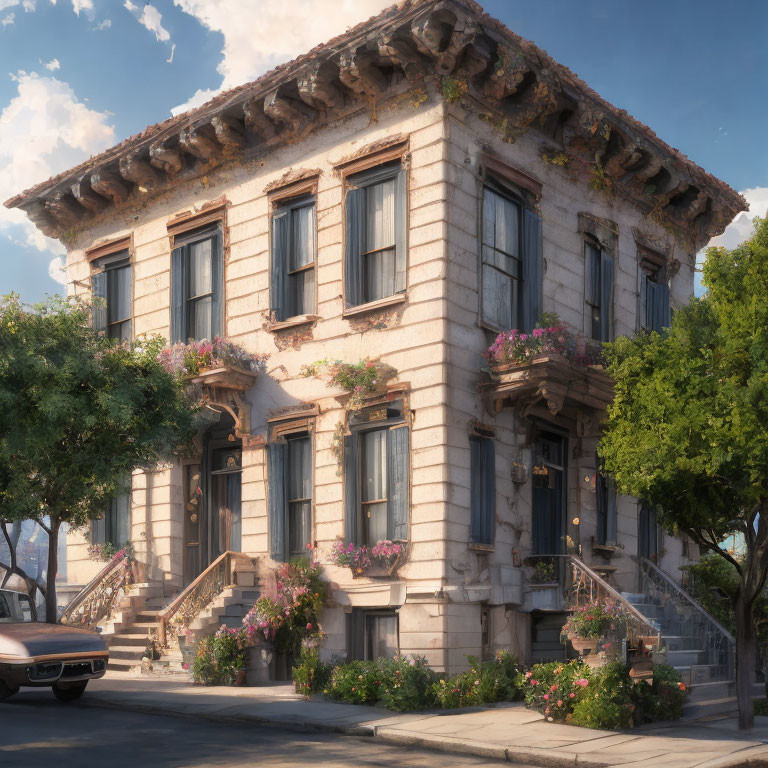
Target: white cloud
259, 36
152, 19
129, 6
53, 65
8, 20
81, 5
57, 270
5, 4
29, 6
169, 60
44, 130
101, 26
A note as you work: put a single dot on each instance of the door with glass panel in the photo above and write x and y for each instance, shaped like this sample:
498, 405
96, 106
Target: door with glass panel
374, 491
549, 494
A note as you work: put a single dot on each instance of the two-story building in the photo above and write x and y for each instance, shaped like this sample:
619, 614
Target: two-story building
402, 193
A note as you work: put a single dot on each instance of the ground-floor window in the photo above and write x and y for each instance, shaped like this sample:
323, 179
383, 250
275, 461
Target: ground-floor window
372, 634
114, 526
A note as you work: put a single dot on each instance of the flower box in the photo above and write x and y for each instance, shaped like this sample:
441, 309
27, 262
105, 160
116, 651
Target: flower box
227, 377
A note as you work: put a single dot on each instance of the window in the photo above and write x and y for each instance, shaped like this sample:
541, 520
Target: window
114, 526
599, 290
289, 468
372, 634
112, 284
377, 475
196, 286
375, 237
511, 261
293, 259
647, 532
482, 462
654, 297
606, 510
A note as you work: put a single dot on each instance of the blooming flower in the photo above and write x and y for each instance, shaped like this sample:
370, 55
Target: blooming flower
583, 682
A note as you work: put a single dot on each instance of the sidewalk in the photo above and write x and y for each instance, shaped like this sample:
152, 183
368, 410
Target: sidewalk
507, 732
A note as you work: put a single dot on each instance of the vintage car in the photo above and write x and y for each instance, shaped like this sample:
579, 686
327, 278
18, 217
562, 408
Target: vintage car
40, 655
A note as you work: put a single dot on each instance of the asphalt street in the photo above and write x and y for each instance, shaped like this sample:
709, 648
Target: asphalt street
36, 730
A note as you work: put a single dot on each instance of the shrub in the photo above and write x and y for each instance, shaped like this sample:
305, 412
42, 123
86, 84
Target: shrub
220, 657
486, 683
400, 684
555, 688
608, 702
761, 707
311, 675
663, 699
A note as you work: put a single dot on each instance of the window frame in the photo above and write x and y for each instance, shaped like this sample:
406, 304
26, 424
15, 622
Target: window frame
308, 500
184, 232
594, 297
104, 529
652, 270
362, 179
358, 635
288, 206
107, 265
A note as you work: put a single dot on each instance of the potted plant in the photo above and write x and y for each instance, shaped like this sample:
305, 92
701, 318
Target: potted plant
593, 630
544, 593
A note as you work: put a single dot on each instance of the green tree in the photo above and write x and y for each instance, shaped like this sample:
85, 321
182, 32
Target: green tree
78, 412
688, 429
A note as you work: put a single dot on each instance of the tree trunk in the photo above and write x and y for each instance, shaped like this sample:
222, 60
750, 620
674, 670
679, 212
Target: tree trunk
51, 612
746, 658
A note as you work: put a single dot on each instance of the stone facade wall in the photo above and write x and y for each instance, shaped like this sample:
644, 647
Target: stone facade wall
432, 339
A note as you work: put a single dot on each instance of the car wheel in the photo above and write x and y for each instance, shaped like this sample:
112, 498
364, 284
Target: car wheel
6, 690
69, 691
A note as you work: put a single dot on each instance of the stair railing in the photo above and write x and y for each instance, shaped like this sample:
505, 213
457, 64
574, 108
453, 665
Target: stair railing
717, 641
98, 600
586, 587
196, 597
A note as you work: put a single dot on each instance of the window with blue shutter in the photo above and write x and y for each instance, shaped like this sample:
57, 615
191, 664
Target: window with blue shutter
655, 313
482, 468
276, 499
197, 282
375, 235
293, 260
377, 476
599, 290
111, 285
510, 261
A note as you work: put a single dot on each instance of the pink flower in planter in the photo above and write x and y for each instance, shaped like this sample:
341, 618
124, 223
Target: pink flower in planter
583, 682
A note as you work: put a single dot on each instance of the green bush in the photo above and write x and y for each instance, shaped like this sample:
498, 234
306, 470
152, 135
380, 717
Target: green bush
555, 688
400, 684
663, 699
607, 701
486, 683
311, 675
761, 707
220, 657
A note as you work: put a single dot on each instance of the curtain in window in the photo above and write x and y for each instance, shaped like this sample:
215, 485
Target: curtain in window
379, 246
483, 489
280, 234
382, 636
99, 292
374, 486
200, 289
301, 281
119, 302
398, 457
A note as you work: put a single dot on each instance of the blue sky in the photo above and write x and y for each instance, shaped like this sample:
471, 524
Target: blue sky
80, 75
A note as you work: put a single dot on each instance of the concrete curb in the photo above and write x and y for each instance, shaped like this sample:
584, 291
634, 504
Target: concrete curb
751, 757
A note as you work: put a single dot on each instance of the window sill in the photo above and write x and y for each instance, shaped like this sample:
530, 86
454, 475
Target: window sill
292, 322
480, 547
373, 306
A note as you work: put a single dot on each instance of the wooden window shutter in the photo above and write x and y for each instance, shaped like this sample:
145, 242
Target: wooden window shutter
279, 263
99, 295
217, 285
483, 489
178, 291
663, 312
606, 295
351, 490
276, 498
353, 246
401, 231
398, 474
643, 306
532, 269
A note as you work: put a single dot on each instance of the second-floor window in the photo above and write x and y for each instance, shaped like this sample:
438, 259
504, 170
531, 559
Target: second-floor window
655, 313
599, 290
377, 476
292, 278
289, 469
511, 261
112, 286
197, 286
375, 235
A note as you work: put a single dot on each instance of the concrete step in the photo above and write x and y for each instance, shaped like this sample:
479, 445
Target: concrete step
133, 639
122, 665
126, 652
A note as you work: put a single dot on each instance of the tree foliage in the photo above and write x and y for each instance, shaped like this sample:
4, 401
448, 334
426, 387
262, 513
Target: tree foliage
78, 413
688, 429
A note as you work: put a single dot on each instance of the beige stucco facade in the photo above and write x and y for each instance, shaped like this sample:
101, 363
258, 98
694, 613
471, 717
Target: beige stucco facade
432, 338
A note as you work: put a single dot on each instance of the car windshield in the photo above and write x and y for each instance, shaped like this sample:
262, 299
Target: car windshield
15, 607
5, 609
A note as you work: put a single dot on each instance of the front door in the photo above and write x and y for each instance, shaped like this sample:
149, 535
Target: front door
212, 500
549, 494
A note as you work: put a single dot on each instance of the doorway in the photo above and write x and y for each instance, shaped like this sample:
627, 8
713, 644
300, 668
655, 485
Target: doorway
549, 494
213, 500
